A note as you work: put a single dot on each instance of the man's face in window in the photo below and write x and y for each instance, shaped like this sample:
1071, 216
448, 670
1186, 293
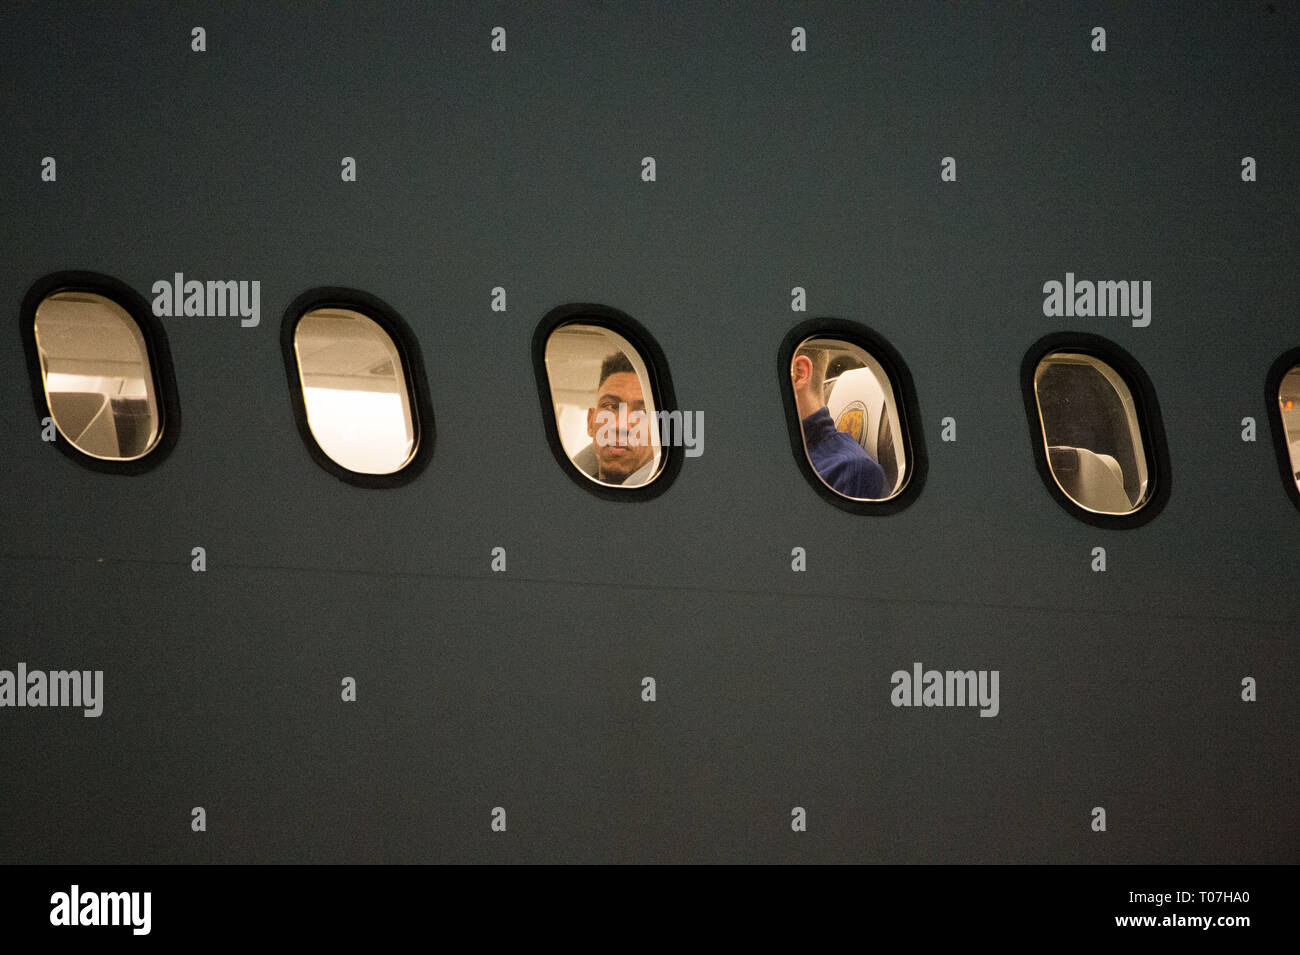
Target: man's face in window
621, 436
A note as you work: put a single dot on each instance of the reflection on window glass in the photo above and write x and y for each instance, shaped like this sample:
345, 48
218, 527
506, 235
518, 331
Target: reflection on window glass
1288, 399
1091, 432
848, 412
98, 381
354, 390
604, 405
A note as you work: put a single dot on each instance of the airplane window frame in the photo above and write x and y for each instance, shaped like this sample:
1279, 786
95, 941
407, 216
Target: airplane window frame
661, 385
1146, 411
905, 401
166, 393
1272, 389
403, 339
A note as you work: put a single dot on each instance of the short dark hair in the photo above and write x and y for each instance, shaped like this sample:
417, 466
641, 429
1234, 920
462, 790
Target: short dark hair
613, 365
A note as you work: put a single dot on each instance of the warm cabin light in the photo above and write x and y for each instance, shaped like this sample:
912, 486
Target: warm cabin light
366, 431
97, 377
355, 391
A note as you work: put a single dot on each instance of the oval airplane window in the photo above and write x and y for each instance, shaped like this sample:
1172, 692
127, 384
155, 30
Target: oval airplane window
1092, 435
99, 383
605, 405
1288, 407
355, 392
850, 419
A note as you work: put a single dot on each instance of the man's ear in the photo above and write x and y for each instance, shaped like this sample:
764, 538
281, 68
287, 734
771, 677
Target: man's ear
801, 370
591, 422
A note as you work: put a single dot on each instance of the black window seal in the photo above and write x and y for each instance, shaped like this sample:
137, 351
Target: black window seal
408, 351
909, 414
1147, 407
1272, 389
661, 386
166, 393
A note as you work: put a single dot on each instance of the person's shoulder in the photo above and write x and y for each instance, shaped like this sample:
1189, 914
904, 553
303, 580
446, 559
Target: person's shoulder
868, 475
585, 460
852, 449
641, 475
873, 475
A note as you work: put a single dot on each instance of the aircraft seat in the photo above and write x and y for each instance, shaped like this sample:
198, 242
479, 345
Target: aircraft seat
1093, 480
858, 407
87, 419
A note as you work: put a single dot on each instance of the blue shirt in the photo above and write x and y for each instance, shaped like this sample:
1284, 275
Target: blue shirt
840, 460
